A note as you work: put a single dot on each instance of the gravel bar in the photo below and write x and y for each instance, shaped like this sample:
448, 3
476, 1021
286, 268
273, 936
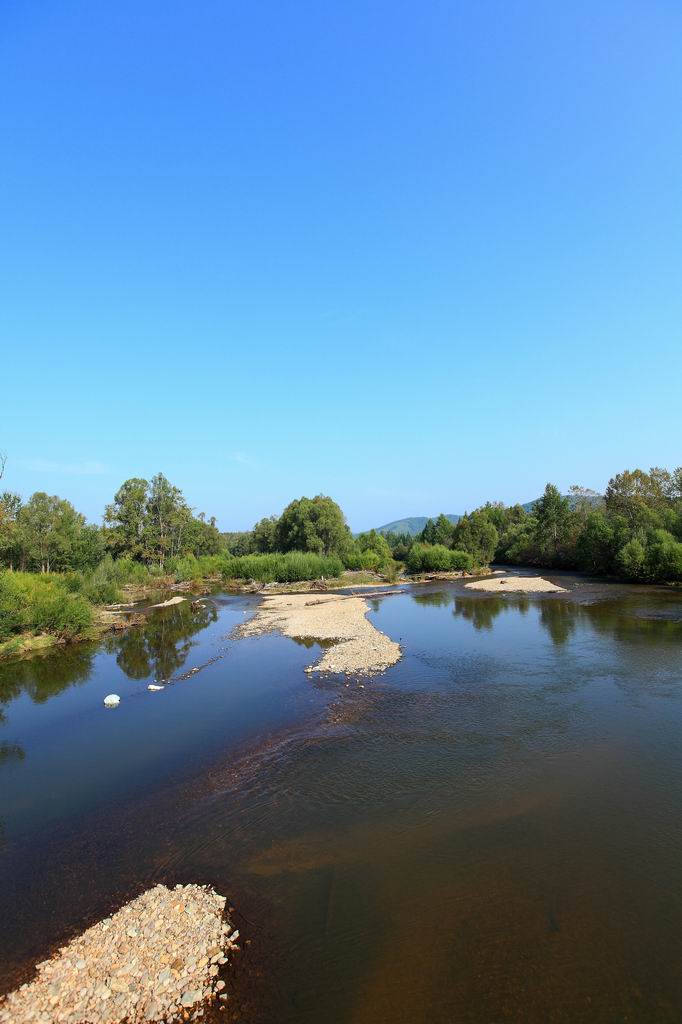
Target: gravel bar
516, 585
156, 959
358, 647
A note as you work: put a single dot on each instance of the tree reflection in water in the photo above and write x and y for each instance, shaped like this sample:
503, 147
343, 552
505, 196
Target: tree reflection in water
43, 676
160, 647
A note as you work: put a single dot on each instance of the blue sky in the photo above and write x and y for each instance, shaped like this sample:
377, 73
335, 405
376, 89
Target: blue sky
412, 255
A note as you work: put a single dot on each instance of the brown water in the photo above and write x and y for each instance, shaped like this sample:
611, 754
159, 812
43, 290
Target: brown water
489, 832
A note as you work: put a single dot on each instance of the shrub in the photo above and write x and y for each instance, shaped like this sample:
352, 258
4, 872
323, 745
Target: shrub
437, 558
391, 571
631, 560
184, 569
461, 560
292, 567
41, 604
54, 610
13, 615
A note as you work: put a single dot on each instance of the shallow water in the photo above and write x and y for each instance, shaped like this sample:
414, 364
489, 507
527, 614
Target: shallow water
491, 831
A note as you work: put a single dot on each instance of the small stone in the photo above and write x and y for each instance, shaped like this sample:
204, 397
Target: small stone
190, 997
220, 985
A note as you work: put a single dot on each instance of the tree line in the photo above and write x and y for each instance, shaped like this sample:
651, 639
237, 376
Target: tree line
633, 531
147, 521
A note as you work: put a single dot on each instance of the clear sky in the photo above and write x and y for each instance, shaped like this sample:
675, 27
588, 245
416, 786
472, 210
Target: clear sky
412, 255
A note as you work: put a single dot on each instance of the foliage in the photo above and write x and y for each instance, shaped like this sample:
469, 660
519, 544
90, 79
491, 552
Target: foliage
238, 543
264, 535
477, 534
41, 604
437, 531
437, 558
291, 567
313, 524
636, 533
150, 521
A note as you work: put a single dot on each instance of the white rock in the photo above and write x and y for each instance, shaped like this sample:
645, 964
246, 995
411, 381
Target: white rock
112, 700
153, 687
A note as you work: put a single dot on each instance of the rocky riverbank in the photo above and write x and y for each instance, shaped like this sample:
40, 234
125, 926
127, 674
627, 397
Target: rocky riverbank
159, 958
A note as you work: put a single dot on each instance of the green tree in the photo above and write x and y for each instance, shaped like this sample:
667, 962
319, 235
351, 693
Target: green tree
377, 543
476, 534
637, 496
10, 533
167, 519
88, 548
264, 535
553, 524
49, 529
126, 518
597, 544
313, 524
631, 560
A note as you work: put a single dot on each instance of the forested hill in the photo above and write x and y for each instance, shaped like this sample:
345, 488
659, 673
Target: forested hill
413, 525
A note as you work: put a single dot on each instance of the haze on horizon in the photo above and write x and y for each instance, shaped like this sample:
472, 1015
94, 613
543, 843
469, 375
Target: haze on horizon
413, 257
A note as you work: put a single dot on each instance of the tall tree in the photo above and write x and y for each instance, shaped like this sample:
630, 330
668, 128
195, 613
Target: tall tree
167, 519
553, 517
126, 519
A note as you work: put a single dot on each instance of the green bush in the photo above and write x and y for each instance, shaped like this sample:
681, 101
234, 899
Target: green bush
292, 567
461, 561
13, 606
184, 569
391, 571
437, 558
41, 604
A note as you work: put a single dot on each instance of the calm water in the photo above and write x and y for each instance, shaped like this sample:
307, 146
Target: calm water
490, 832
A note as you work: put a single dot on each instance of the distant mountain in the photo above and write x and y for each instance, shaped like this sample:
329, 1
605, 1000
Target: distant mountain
415, 524
412, 525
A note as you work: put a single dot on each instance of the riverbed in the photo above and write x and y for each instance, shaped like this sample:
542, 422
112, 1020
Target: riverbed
488, 831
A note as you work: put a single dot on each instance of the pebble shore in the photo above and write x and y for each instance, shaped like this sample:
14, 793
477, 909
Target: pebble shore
157, 959
358, 647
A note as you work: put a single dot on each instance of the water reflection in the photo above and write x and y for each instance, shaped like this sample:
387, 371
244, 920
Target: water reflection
482, 614
160, 648
635, 616
44, 676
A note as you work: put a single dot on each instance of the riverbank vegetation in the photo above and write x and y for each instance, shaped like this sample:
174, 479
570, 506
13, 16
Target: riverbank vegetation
633, 531
56, 568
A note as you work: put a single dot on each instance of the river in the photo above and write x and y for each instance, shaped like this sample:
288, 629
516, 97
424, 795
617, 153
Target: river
489, 832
